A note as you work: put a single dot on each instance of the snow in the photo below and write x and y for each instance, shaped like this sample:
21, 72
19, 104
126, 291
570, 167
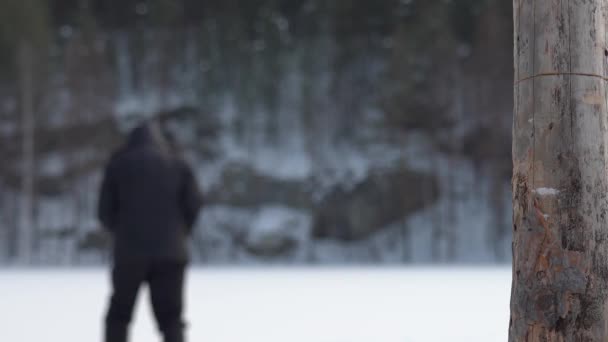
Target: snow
546, 191
274, 305
276, 219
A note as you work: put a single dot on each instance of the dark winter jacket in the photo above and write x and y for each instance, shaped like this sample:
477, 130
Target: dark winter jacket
149, 199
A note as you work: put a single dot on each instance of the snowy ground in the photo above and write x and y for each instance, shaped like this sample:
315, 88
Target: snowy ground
251, 305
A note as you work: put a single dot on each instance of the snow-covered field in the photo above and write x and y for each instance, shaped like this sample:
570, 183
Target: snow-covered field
273, 305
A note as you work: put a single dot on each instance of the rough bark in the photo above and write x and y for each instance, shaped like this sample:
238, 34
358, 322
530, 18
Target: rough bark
560, 184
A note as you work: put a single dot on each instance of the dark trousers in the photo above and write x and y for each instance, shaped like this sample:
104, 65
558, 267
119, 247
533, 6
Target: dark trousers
166, 282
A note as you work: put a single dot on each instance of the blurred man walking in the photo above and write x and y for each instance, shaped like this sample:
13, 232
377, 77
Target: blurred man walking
149, 202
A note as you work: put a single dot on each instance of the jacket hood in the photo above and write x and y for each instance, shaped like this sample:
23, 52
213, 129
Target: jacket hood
147, 135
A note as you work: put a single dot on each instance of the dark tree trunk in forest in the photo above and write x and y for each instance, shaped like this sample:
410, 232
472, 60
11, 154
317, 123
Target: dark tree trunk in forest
26, 215
560, 248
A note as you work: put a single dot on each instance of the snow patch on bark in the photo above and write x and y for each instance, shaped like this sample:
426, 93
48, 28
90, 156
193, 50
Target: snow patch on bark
546, 192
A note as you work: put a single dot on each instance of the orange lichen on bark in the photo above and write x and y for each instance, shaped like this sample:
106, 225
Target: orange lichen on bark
539, 333
542, 260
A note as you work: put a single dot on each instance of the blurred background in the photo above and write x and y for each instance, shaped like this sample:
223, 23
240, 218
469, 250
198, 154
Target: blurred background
322, 132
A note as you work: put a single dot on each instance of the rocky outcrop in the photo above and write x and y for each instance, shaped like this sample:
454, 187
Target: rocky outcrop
242, 186
381, 199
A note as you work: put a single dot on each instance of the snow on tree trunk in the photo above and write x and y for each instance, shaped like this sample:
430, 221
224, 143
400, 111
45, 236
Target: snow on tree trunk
27, 176
560, 185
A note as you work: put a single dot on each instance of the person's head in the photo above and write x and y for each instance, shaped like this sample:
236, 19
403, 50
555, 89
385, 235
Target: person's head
149, 134
128, 122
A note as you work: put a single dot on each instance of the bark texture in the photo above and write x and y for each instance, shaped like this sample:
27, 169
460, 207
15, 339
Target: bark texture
560, 183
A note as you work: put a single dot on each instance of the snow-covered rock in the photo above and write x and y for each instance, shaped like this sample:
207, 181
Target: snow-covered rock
277, 231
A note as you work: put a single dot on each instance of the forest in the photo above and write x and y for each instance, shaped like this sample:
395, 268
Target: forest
322, 132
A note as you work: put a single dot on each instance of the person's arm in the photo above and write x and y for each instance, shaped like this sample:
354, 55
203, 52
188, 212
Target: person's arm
108, 203
191, 199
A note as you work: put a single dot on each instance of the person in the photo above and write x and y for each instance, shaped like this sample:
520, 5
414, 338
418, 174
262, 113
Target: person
149, 201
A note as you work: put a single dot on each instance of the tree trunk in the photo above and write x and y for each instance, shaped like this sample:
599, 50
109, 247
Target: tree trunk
26, 215
560, 185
